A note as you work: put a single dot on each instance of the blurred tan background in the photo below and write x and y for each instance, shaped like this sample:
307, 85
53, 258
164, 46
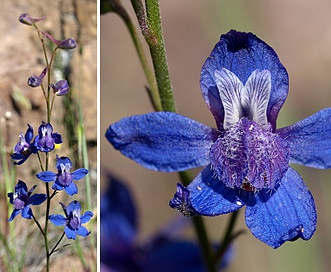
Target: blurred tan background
300, 33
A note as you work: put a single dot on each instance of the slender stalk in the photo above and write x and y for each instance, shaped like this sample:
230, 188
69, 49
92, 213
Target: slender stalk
55, 246
154, 39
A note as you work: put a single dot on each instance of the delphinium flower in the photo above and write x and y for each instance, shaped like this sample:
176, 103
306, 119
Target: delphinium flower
24, 148
36, 81
60, 88
246, 158
45, 140
63, 178
164, 251
22, 199
72, 220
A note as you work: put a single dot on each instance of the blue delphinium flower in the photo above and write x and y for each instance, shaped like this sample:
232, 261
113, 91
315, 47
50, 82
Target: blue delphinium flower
72, 220
24, 148
120, 251
60, 88
45, 140
246, 158
22, 199
35, 81
63, 178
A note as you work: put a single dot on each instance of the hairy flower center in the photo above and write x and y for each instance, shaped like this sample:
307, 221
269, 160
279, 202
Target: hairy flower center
18, 203
248, 157
65, 177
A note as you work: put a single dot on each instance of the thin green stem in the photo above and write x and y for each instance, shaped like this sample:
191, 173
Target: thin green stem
227, 238
154, 39
55, 246
38, 224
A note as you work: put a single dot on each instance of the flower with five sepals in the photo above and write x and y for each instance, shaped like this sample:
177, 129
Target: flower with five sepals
24, 148
246, 158
63, 178
45, 140
22, 199
72, 220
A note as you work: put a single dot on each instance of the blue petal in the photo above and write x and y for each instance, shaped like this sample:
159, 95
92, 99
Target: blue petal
29, 134
62, 160
71, 189
37, 199
163, 141
47, 176
79, 173
27, 212
86, 217
209, 196
71, 234
21, 188
73, 205
181, 201
57, 138
57, 186
242, 53
287, 214
83, 231
309, 140
58, 219
13, 214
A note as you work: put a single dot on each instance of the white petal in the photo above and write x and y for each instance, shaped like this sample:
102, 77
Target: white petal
255, 97
229, 88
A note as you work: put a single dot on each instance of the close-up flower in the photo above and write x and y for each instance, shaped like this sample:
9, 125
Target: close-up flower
24, 148
246, 159
64, 179
45, 140
22, 199
72, 220
121, 249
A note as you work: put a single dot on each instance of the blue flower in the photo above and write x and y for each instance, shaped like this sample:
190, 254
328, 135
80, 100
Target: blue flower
67, 44
72, 220
246, 158
61, 87
164, 251
24, 148
22, 199
45, 140
63, 178
35, 81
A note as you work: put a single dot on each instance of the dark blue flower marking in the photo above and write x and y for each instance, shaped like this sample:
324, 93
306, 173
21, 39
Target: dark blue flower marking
63, 178
24, 148
22, 199
45, 140
162, 252
72, 220
247, 159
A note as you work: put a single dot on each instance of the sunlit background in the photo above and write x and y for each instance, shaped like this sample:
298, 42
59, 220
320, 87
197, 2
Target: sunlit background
300, 33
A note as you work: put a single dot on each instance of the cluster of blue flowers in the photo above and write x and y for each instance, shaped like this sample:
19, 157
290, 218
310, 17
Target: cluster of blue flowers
45, 141
246, 159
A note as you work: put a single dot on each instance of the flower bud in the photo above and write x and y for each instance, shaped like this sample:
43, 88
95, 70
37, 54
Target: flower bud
35, 81
26, 19
68, 43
